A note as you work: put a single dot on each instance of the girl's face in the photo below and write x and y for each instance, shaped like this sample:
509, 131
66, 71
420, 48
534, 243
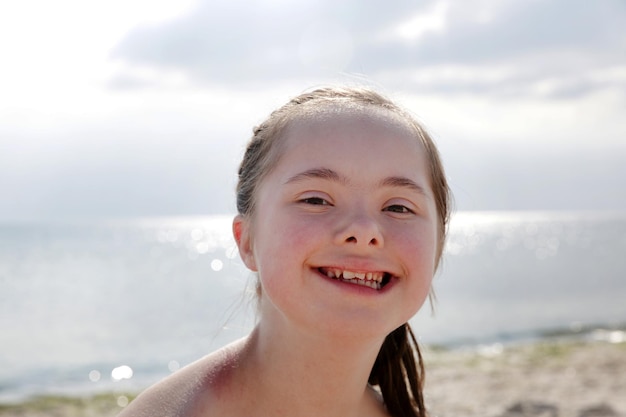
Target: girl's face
344, 235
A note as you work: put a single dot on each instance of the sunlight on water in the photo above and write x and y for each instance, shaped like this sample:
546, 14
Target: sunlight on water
217, 265
202, 247
94, 376
156, 294
122, 372
542, 234
518, 272
611, 336
197, 234
167, 236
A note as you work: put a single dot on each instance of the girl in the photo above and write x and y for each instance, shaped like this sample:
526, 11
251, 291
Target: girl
343, 209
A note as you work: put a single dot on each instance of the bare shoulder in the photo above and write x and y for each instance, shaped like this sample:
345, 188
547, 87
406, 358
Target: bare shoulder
190, 391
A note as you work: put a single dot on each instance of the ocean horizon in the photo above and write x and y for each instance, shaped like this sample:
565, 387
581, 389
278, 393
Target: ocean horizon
116, 304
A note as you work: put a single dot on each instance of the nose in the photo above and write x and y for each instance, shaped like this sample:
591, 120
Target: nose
361, 230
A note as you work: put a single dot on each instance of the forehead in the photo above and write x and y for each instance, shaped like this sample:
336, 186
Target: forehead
364, 144
332, 115
353, 126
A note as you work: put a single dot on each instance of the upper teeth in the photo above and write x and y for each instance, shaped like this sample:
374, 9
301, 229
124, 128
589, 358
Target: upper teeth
367, 276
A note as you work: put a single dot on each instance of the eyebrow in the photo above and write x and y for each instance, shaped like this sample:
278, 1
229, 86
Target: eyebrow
318, 173
403, 182
331, 175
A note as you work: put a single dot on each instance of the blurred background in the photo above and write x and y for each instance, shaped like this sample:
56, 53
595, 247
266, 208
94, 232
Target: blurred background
133, 108
122, 124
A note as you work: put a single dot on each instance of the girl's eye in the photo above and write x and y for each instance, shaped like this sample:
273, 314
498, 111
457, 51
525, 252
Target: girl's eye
316, 201
398, 208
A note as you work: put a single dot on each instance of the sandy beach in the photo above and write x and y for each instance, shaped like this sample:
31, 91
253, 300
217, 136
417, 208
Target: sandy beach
547, 379
565, 379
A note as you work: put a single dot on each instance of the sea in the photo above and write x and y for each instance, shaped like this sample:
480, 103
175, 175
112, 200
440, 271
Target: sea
90, 306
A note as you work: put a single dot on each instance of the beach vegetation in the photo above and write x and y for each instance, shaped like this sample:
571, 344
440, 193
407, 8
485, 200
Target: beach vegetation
104, 404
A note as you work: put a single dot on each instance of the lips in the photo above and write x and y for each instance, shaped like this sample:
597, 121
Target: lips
375, 280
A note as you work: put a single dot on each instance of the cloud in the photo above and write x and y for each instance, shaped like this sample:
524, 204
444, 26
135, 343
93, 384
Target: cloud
512, 48
497, 31
242, 42
555, 49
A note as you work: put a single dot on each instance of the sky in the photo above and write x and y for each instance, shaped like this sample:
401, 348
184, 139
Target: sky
125, 108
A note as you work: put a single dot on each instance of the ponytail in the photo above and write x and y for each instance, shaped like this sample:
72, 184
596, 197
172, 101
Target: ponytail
399, 373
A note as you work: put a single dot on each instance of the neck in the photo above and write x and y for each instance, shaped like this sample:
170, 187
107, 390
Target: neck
297, 374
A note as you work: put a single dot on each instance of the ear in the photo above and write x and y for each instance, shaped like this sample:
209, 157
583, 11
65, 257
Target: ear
241, 232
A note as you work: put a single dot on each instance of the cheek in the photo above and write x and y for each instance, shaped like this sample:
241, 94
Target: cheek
283, 246
297, 231
419, 253
419, 250
420, 243
281, 256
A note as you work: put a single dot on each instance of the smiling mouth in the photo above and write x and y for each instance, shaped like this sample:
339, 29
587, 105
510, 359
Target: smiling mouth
374, 280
